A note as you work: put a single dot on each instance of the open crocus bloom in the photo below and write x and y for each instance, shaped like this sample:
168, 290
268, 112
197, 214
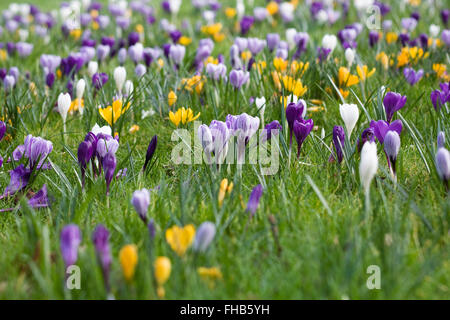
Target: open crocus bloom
112, 113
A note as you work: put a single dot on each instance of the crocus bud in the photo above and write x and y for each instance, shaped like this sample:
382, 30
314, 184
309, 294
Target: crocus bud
85, 151
70, 240
128, 257
120, 75
109, 165
64, 102
261, 105
440, 139
253, 200
92, 68
141, 201
81, 85
443, 164
162, 268
349, 56
100, 238
205, 234
150, 151
391, 147
368, 165
129, 87
2, 130
393, 102
350, 115
302, 128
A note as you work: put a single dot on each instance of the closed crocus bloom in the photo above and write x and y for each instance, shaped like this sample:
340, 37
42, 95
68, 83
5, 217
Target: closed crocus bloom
129, 87
100, 238
238, 78
205, 234
171, 98
224, 188
140, 70
272, 40
350, 115
122, 55
253, 200
109, 164
393, 102
162, 267
443, 164
2, 130
294, 111
368, 164
64, 102
85, 152
338, 142
81, 85
329, 41
261, 105
141, 201
391, 147
180, 238
302, 129
150, 151
92, 68
349, 56
70, 240
177, 53
128, 257
120, 75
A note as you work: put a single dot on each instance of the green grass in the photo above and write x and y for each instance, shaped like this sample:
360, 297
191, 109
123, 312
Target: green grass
326, 236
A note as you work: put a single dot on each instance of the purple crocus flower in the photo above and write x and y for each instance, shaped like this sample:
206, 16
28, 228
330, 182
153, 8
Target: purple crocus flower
140, 202
445, 14
302, 129
391, 148
367, 135
99, 80
374, 36
133, 38
423, 38
294, 111
39, 199
272, 128
150, 55
85, 153
441, 139
109, 164
253, 200
49, 63
50, 79
238, 78
70, 240
393, 102
18, 180
384, 8
256, 45
443, 165
322, 53
151, 229
338, 142
102, 52
100, 238
246, 23
272, 40
381, 127
204, 236
412, 76
175, 35
415, 15
409, 24
150, 151
37, 150
216, 71
2, 130
446, 37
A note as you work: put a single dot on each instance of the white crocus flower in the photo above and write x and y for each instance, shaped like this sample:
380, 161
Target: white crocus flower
96, 129
81, 85
368, 165
261, 105
329, 41
349, 56
120, 75
64, 102
129, 87
92, 68
350, 115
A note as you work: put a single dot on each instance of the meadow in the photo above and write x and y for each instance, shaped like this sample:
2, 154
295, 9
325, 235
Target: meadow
97, 184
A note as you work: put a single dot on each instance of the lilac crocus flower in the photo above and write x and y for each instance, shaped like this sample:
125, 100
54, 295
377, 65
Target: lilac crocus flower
136, 52
302, 129
393, 102
256, 45
122, 55
109, 164
441, 139
391, 148
381, 127
253, 200
140, 70
216, 71
102, 52
99, 80
39, 199
2, 130
338, 142
204, 236
70, 240
272, 40
150, 151
176, 53
106, 144
37, 150
49, 63
9, 82
412, 76
409, 24
18, 180
246, 23
443, 165
140, 202
100, 238
446, 37
238, 78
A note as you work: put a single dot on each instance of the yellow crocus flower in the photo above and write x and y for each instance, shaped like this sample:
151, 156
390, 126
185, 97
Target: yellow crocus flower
184, 40
384, 59
128, 257
180, 239
75, 104
391, 37
280, 64
183, 115
134, 128
139, 28
364, 73
272, 7
246, 55
112, 113
171, 98
346, 79
225, 188
230, 12
3, 55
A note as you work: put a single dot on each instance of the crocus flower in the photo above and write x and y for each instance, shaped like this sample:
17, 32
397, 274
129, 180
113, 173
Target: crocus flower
128, 257
381, 127
18, 180
64, 102
246, 23
338, 142
37, 149
238, 78
443, 164
150, 151
393, 102
374, 36
302, 129
216, 71
81, 85
9, 82
99, 80
367, 135
349, 56
329, 41
85, 152
162, 267
445, 35
109, 164
391, 148
176, 53
70, 240
180, 238
2, 130
350, 115
253, 200
24, 49
272, 128
412, 76
441, 139
100, 238
141, 201
294, 111
272, 40
204, 236
445, 14
40, 198
120, 75
368, 165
